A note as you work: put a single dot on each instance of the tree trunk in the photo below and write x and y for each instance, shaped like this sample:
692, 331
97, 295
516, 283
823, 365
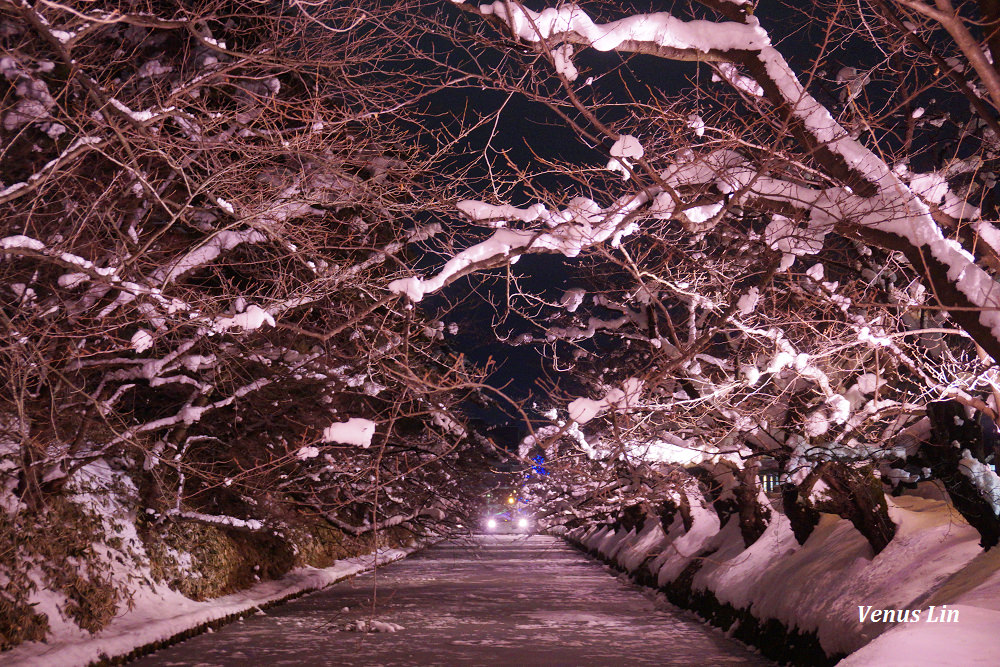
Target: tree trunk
716, 491
952, 432
632, 517
754, 517
29, 483
669, 509
857, 495
667, 512
801, 516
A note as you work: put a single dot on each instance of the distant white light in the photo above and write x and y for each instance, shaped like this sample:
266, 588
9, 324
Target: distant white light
491, 524
522, 523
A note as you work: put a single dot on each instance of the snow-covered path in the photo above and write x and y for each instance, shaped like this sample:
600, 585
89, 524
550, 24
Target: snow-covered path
510, 600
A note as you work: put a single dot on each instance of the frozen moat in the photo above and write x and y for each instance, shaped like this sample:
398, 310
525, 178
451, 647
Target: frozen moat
488, 600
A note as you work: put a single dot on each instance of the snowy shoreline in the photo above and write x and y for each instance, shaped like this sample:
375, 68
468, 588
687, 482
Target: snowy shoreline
161, 617
801, 601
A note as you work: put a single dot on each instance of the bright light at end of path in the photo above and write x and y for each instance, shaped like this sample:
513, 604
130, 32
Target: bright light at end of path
491, 524
510, 501
522, 523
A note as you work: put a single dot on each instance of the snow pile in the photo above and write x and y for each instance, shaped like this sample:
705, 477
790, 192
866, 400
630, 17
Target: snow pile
21, 241
627, 146
35, 101
372, 626
306, 453
744, 84
748, 302
572, 299
697, 216
562, 58
252, 318
696, 123
970, 642
142, 340
71, 280
481, 211
686, 547
782, 234
934, 189
668, 448
447, 424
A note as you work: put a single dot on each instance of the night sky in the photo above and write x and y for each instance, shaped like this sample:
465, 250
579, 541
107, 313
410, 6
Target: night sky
528, 133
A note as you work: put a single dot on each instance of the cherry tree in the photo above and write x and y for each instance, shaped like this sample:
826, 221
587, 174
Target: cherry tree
201, 206
806, 242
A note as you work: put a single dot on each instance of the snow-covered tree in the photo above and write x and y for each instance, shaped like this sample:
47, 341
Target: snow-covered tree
802, 238
201, 204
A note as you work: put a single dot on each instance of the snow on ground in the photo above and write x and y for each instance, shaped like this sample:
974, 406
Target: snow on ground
974, 592
971, 641
160, 613
935, 559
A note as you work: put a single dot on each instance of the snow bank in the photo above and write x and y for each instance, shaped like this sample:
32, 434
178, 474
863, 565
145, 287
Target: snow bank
160, 614
935, 559
974, 592
971, 641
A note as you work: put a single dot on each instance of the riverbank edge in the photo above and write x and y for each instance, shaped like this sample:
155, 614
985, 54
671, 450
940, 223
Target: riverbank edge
251, 610
123, 642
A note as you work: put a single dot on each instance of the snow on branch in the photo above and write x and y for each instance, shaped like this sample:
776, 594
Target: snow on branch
190, 413
205, 253
885, 207
660, 29
252, 318
582, 410
202, 255
983, 477
219, 520
583, 223
594, 324
355, 431
74, 150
